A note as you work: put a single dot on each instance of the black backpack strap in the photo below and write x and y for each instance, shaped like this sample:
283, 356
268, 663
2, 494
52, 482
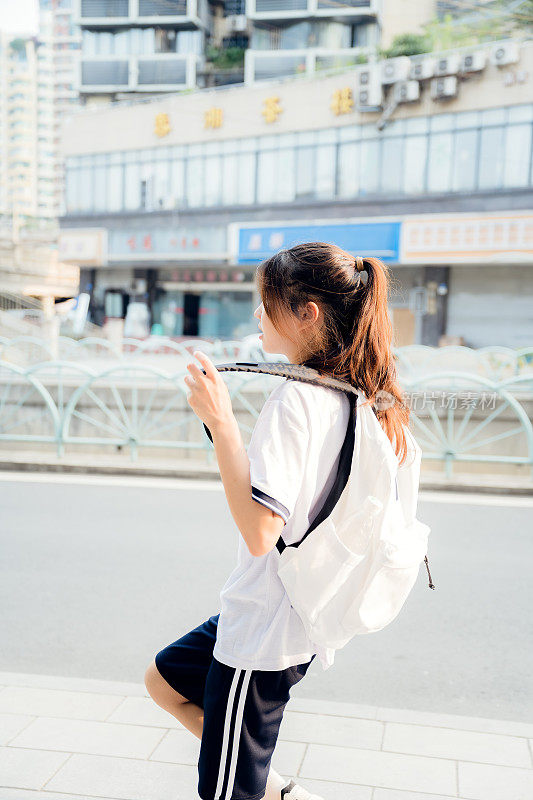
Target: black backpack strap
341, 479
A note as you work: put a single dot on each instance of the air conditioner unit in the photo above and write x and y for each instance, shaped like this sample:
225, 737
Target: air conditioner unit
502, 54
407, 91
422, 70
236, 23
474, 62
448, 65
443, 87
369, 90
395, 69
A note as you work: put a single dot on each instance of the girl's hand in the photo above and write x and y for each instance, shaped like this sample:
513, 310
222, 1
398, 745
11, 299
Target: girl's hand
209, 396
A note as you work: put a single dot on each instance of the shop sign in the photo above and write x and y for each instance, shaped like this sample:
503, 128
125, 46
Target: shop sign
147, 243
380, 238
85, 247
468, 238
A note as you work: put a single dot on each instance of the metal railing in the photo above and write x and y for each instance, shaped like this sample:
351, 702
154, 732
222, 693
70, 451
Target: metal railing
462, 420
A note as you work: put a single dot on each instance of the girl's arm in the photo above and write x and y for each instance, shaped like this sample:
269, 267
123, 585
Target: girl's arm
260, 526
209, 398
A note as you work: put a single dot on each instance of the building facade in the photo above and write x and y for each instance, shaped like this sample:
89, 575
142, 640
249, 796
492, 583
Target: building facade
36, 91
174, 202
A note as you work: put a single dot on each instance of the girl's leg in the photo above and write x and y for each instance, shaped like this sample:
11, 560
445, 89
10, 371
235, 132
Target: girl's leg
191, 717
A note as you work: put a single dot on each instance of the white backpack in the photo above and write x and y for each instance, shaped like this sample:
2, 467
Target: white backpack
354, 568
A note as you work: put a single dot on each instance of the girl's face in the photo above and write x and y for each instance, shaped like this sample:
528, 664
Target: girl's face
274, 342
271, 340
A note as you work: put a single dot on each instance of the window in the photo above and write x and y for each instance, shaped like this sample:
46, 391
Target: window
491, 158
440, 159
517, 155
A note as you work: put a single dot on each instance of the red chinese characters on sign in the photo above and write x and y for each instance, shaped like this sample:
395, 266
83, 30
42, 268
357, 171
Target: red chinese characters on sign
132, 244
147, 242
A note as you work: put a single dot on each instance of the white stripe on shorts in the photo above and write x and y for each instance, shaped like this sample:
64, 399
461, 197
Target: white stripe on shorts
236, 733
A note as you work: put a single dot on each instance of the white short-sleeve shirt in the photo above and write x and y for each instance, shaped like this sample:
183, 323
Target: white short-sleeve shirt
294, 452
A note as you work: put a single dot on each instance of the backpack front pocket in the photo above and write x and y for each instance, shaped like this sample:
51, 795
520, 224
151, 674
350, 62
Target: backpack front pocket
313, 572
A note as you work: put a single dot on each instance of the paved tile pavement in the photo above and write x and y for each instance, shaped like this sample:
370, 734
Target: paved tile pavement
75, 739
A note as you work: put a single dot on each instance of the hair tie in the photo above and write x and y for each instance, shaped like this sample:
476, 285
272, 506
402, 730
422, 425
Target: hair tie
363, 273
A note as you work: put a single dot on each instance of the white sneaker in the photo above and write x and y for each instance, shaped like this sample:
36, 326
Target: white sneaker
293, 791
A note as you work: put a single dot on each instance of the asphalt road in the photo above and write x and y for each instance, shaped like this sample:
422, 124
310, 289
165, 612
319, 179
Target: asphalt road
98, 574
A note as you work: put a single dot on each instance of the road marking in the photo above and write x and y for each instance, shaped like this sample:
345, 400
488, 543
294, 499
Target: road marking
475, 498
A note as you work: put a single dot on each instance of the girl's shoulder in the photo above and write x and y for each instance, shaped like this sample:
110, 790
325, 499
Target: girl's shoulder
308, 398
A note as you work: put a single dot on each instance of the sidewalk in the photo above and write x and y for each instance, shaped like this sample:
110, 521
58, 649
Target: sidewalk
75, 739
105, 463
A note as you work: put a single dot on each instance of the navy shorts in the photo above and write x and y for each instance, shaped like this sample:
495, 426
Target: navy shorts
243, 709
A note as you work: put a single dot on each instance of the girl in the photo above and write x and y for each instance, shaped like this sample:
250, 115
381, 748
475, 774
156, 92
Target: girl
228, 680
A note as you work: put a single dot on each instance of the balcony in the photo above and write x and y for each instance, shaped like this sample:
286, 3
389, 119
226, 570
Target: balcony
279, 10
154, 73
187, 14
265, 65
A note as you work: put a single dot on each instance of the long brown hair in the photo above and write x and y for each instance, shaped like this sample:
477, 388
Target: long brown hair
354, 341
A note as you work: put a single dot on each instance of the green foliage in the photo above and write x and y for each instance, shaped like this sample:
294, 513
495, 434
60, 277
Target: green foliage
225, 57
407, 44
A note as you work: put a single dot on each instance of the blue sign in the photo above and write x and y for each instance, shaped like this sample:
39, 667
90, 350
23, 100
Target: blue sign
379, 239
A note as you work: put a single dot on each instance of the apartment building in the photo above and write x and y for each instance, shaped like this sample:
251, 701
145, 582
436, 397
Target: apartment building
140, 46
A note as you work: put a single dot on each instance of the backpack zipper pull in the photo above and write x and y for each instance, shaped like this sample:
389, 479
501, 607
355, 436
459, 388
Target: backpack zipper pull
431, 585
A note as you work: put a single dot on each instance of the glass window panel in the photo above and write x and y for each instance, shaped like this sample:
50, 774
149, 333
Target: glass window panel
417, 125
229, 146
114, 191
306, 137
266, 178
491, 158
350, 133
286, 173
100, 174
367, 131
305, 178
493, 116
415, 157
246, 173
132, 186
392, 161
468, 119
212, 148
328, 136
517, 155
442, 122
348, 169
439, 162
161, 181
465, 161
230, 183
71, 190
286, 140
370, 166
177, 181
268, 142
247, 145
325, 171
213, 176
85, 193
395, 127
520, 113
195, 180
